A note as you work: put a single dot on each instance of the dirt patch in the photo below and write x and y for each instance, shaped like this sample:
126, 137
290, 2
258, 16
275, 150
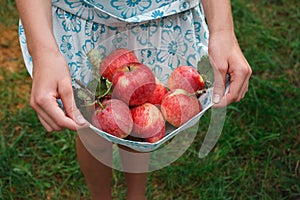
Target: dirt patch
10, 53
12, 67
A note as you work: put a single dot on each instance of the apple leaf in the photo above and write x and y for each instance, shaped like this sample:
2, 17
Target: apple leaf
82, 95
100, 86
93, 85
105, 88
205, 69
94, 57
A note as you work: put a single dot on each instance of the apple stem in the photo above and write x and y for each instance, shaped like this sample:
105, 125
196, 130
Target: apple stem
100, 104
208, 84
106, 92
198, 92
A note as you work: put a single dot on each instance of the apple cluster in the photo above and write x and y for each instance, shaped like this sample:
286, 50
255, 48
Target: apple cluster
138, 106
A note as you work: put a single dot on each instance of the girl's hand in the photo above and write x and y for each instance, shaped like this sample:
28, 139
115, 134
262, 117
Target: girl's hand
51, 81
226, 57
51, 76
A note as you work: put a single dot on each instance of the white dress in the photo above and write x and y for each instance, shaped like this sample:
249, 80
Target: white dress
163, 33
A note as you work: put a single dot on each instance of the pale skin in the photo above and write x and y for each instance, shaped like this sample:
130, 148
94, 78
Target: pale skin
225, 54
52, 80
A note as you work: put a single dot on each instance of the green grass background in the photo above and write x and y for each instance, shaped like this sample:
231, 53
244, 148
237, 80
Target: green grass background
257, 156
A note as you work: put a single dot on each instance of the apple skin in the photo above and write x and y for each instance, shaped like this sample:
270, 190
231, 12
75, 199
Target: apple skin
187, 78
178, 106
159, 91
114, 60
113, 117
148, 123
133, 83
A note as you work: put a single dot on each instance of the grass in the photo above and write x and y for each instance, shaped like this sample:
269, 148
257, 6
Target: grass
257, 156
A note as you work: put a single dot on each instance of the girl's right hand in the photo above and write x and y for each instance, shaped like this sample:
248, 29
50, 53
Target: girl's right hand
51, 76
52, 81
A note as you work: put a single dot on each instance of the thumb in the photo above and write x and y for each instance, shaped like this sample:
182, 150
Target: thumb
77, 117
219, 86
67, 97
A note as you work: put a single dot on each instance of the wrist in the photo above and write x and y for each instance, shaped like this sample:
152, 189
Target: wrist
218, 15
222, 39
40, 50
222, 32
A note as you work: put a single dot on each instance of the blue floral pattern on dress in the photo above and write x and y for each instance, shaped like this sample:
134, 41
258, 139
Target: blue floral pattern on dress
120, 40
22, 34
173, 47
73, 69
83, 9
66, 46
160, 75
157, 14
95, 31
162, 33
148, 55
85, 68
130, 8
124, 10
70, 22
144, 31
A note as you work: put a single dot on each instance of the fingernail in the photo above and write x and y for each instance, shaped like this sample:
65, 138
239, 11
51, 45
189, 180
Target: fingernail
80, 119
216, 98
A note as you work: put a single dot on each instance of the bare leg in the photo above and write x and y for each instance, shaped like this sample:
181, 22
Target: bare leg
135, 167
98, 175
136, 185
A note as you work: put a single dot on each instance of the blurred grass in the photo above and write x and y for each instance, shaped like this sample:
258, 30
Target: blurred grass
257, 156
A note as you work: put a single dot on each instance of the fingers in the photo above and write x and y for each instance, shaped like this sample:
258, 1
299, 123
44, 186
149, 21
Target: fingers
45, 124
240, 73
234, 94
239, 83
50, 114
52, 117
66, 94
219, 86
220, 71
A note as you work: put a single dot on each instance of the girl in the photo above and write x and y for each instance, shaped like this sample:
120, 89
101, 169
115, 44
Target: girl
56, 35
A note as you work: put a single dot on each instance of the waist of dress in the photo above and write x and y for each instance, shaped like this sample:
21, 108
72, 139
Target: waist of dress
93, 12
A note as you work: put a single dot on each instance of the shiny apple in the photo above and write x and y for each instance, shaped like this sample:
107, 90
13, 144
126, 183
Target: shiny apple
113, 117
149, 123
187, 78
178, 106
114, 60
133, 83
159, 91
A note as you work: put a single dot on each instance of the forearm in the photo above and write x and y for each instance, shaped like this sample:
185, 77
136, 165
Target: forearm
219, 15
37, 21
225, 54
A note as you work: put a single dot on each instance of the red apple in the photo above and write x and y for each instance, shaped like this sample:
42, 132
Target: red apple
113, 117
187, 78
114, 60
148, 122
133, 83
159, 91
178, 106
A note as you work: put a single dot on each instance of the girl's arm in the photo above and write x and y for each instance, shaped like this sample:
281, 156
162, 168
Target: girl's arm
37, 21
51, 76
225, 54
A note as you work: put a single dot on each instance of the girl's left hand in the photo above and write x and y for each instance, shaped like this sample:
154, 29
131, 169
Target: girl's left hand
226, 57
